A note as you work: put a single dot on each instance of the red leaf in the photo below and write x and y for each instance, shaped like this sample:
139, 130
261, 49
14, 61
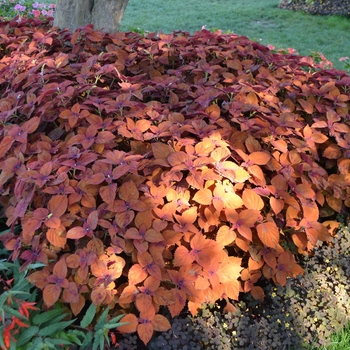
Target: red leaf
31, 125
5, 145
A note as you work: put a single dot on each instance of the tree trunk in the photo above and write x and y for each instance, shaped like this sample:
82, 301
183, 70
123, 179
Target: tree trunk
103, 14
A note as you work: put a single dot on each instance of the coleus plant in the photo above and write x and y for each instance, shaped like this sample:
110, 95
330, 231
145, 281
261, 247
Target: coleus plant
165, 171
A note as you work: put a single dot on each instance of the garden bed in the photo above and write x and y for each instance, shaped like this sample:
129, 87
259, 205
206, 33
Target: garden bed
318, 7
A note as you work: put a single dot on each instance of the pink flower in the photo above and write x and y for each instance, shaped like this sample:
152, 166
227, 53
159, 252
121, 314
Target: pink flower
270, 47
20, 8
343, 58
36, 13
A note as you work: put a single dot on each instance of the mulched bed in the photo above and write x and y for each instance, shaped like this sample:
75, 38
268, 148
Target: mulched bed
318, 7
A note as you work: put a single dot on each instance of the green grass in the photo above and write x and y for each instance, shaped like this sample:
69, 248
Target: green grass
261, 21
339, 341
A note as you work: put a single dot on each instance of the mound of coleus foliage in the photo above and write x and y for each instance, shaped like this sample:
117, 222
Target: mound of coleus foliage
165, 171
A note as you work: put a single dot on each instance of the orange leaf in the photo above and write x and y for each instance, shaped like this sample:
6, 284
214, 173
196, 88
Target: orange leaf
230, 270
252, 200
281, 277
161, 323
128, 191
332, 152
161, 150
334, 203
153, 236
225, 236
57, 237
234, 172
307, 106
305, 190
131, 326
315, 231
220, 153
203, 196
60, 268
38, 278
268, 234
76, 233
182, 256
58, 205
277, 205
232, 200
318, 137
177, 158
145, 332
180, 302
280, 145
300, 240
248, 217
257, 293
143, 302
108, 193
144, 259
128, 295
255, 265
78, 306
213, 111
98, 295
204, 147
51, 293
270, 260
258, 175
232, 289
252, 144
136, 274
259, 158
202, 283
5, 145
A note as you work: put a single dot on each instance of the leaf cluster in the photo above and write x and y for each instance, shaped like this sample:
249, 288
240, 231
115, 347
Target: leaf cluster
165, 171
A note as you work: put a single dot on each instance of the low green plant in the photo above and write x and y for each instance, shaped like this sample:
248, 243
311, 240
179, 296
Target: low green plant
27, 327
29, 8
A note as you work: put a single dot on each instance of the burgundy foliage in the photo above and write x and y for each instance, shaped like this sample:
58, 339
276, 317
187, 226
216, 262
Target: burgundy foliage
165, 170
